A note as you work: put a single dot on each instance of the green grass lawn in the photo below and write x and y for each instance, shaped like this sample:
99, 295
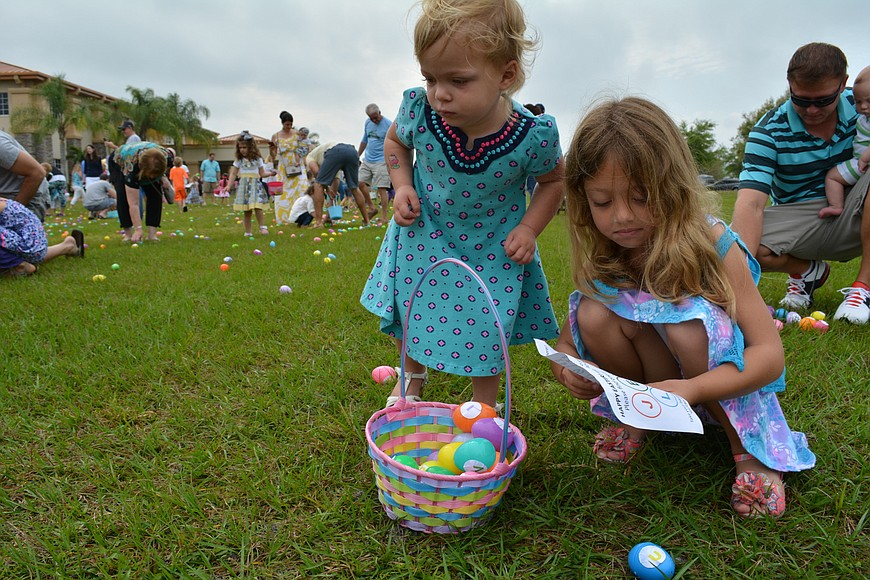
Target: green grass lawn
176, 420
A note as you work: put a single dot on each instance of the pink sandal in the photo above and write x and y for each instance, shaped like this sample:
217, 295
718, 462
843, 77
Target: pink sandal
612, 440
758, 491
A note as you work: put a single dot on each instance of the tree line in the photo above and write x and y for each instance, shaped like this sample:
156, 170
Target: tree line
174, 118
717, 160
157, 118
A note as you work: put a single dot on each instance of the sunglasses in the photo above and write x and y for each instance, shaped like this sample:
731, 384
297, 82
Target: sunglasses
817, 103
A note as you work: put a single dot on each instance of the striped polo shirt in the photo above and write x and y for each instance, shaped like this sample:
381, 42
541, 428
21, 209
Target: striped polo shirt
788, 164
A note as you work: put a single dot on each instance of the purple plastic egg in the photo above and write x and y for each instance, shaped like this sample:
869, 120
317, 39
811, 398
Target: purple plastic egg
492, 430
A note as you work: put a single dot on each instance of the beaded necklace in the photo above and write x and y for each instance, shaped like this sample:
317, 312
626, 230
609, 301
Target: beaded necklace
486, 149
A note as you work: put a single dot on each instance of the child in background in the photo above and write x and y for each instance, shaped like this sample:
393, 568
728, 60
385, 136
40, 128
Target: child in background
77, 182
847, 173
467, 202
178, 177
221, 192
667, 296
302, 212
193, 196
251, 196
56, 188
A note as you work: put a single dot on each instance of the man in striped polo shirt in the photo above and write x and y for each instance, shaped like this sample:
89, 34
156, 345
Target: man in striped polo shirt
787, 156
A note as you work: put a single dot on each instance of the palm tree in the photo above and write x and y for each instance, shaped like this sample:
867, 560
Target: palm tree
171, 116
58, 112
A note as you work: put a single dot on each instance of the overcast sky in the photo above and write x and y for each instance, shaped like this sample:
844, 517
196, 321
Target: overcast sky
325, 60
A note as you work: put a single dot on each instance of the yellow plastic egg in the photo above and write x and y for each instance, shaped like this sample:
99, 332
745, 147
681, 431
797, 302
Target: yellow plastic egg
445, 456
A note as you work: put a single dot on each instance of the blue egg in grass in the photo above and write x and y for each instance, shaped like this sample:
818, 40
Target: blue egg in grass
647, 561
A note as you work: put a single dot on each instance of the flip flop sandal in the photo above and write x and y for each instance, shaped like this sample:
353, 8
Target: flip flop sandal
79, 237
612, 440
393, 399
758, 491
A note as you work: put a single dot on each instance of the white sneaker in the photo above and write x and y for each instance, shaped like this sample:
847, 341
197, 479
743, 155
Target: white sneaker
855, 307
799, 295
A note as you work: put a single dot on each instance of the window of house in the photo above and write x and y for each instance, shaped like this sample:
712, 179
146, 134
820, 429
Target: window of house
4, 103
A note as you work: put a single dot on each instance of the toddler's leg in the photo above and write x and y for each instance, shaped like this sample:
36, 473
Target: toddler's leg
415, 385
835, 192
247, 221
485, 389
261, 221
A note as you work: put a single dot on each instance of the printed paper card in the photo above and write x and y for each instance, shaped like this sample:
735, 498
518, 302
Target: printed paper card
633, 403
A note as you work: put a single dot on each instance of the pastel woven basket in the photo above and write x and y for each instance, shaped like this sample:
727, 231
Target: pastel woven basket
429, 502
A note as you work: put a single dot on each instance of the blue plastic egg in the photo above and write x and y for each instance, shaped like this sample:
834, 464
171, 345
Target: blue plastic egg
647, 561
477, 455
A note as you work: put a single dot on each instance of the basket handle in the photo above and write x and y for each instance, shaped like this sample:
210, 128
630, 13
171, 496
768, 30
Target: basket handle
501, 336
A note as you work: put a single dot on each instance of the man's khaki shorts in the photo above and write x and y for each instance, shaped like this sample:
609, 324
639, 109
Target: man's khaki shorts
795, 228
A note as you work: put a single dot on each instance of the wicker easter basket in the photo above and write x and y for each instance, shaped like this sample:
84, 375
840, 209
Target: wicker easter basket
429, 502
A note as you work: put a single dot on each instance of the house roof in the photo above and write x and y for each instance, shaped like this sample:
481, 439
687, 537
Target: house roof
229, 139
20, 74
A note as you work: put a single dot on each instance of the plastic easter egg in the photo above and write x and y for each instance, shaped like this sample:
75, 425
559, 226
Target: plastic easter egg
477, 455
462, 437
383, 374
439, 469
257, 252
780, 313
316, 252
792, 318
647, 561
447, 455
225, 267
427, 465
806, 323
778, 325
818, 315
331, 239
272, 244
98, 278
235, 245
228, 259
466, 414
116, 267
284, 289
327, 260
316, 238
102, 246
331, 256
492, 430
771, 309
821, 326
107, 238
406, 460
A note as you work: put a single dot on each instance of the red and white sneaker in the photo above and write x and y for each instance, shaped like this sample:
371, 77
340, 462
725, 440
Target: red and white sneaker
856, 306
800, 289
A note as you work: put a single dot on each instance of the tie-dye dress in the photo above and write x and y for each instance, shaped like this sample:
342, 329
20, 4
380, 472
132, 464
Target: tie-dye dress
757, 416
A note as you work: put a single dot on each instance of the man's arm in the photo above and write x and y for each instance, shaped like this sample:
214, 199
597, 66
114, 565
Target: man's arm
33, 174
748, 217
361, 148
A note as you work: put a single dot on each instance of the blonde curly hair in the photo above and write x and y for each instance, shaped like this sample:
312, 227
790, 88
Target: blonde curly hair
497, 28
